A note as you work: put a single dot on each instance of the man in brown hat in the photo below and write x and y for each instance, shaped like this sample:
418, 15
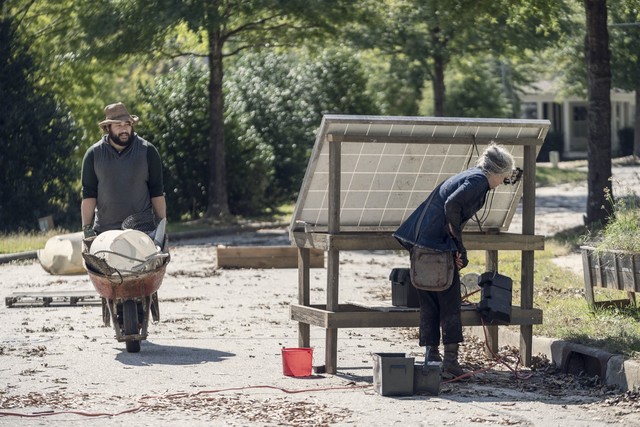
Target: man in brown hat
121, 178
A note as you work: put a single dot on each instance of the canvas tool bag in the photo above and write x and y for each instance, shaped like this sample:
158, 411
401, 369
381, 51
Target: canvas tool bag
431, 270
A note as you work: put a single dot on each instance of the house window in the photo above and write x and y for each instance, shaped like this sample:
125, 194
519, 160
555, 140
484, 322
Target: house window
579, 127
579, 114
529, 110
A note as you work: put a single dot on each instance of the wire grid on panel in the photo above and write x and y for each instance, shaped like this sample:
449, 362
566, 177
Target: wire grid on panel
382, 183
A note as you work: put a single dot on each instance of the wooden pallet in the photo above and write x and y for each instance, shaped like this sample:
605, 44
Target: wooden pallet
52, 298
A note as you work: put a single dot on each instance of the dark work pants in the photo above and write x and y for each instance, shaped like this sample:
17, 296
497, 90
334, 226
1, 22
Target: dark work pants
441, 309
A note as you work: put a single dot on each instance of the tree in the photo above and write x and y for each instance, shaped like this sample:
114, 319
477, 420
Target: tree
599, 111
476, 90
625, 57
65, 66
270, 124
177, 122
37, 137
282, 97
428, 35
225, 27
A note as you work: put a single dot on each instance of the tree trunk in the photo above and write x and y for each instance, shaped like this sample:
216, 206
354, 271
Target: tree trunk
636, 127
439, 90
599, 111
439, 45
218, 203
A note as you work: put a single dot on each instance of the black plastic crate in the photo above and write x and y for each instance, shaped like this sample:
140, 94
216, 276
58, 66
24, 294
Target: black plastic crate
495, 298
403, 293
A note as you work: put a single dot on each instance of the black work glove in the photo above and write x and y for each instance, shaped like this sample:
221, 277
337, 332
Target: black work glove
88, 232
463, 257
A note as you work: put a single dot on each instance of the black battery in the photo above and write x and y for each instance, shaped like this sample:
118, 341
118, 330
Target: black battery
403, 293
495, 298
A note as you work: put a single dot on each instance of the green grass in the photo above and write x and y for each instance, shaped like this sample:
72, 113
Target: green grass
560, 295
550, 177
622, 231
24, 242
30, 241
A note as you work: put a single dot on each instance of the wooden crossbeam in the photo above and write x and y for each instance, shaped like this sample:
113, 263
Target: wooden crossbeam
357, 316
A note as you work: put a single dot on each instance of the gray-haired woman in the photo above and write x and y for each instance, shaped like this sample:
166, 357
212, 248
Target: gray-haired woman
437, 225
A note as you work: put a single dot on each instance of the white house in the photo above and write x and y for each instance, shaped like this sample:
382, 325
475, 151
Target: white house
568, 115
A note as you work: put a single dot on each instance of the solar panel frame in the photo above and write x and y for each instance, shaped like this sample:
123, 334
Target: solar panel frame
389, 165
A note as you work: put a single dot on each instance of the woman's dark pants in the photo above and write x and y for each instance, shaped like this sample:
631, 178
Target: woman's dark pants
441, 309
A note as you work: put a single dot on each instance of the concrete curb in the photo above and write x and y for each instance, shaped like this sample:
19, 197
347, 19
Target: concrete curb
574, 358
4, 258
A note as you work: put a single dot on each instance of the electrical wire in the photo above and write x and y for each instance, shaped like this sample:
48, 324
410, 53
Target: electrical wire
497, 359
486, 211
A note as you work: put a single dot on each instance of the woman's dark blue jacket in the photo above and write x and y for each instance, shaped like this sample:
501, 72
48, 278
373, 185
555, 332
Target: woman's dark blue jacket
453, 202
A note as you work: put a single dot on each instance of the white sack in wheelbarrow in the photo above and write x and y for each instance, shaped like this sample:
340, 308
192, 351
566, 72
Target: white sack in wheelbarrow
62, 254
128, 251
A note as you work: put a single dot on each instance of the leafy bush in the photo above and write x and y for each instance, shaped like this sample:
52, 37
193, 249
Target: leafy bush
281, 98
38, 139
273, 105
477, 94
178, 124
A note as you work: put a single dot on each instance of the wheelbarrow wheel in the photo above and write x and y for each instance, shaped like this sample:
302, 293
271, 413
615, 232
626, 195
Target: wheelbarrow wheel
130, 323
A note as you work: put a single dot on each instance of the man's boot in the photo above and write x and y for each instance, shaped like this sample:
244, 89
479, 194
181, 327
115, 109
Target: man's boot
432, 354
450, 366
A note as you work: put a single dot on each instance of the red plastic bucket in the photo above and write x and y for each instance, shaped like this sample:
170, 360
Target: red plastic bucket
296, 362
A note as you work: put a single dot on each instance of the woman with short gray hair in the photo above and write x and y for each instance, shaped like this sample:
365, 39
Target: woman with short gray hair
433, 236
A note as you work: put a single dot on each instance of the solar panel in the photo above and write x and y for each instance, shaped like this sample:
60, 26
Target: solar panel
389, 165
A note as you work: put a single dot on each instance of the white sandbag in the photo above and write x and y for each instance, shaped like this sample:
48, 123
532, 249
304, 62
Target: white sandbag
126, 250
62, 254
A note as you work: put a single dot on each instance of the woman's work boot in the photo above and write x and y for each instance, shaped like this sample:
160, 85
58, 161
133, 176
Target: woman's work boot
450, 366
432, 354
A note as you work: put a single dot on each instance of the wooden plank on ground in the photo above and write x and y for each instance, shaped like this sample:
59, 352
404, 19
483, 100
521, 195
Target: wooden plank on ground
264, 257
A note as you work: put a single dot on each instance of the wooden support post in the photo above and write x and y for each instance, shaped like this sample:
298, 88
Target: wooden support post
632, 294
304, 297
588, 279
491, 345
527, 260
333, 255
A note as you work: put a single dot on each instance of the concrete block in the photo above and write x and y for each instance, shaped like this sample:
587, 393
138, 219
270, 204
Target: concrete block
623, 373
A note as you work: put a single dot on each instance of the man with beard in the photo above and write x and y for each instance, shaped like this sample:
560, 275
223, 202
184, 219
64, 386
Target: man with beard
121, 178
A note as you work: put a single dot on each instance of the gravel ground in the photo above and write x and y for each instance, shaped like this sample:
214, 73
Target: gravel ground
214, 358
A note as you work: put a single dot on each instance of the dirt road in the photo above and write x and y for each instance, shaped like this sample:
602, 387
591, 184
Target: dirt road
215, 358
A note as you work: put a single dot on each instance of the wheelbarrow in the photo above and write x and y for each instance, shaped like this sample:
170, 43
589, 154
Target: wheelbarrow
128, 298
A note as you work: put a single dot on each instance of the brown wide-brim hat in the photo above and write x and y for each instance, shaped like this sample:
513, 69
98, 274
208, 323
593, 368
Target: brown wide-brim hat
116, 113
